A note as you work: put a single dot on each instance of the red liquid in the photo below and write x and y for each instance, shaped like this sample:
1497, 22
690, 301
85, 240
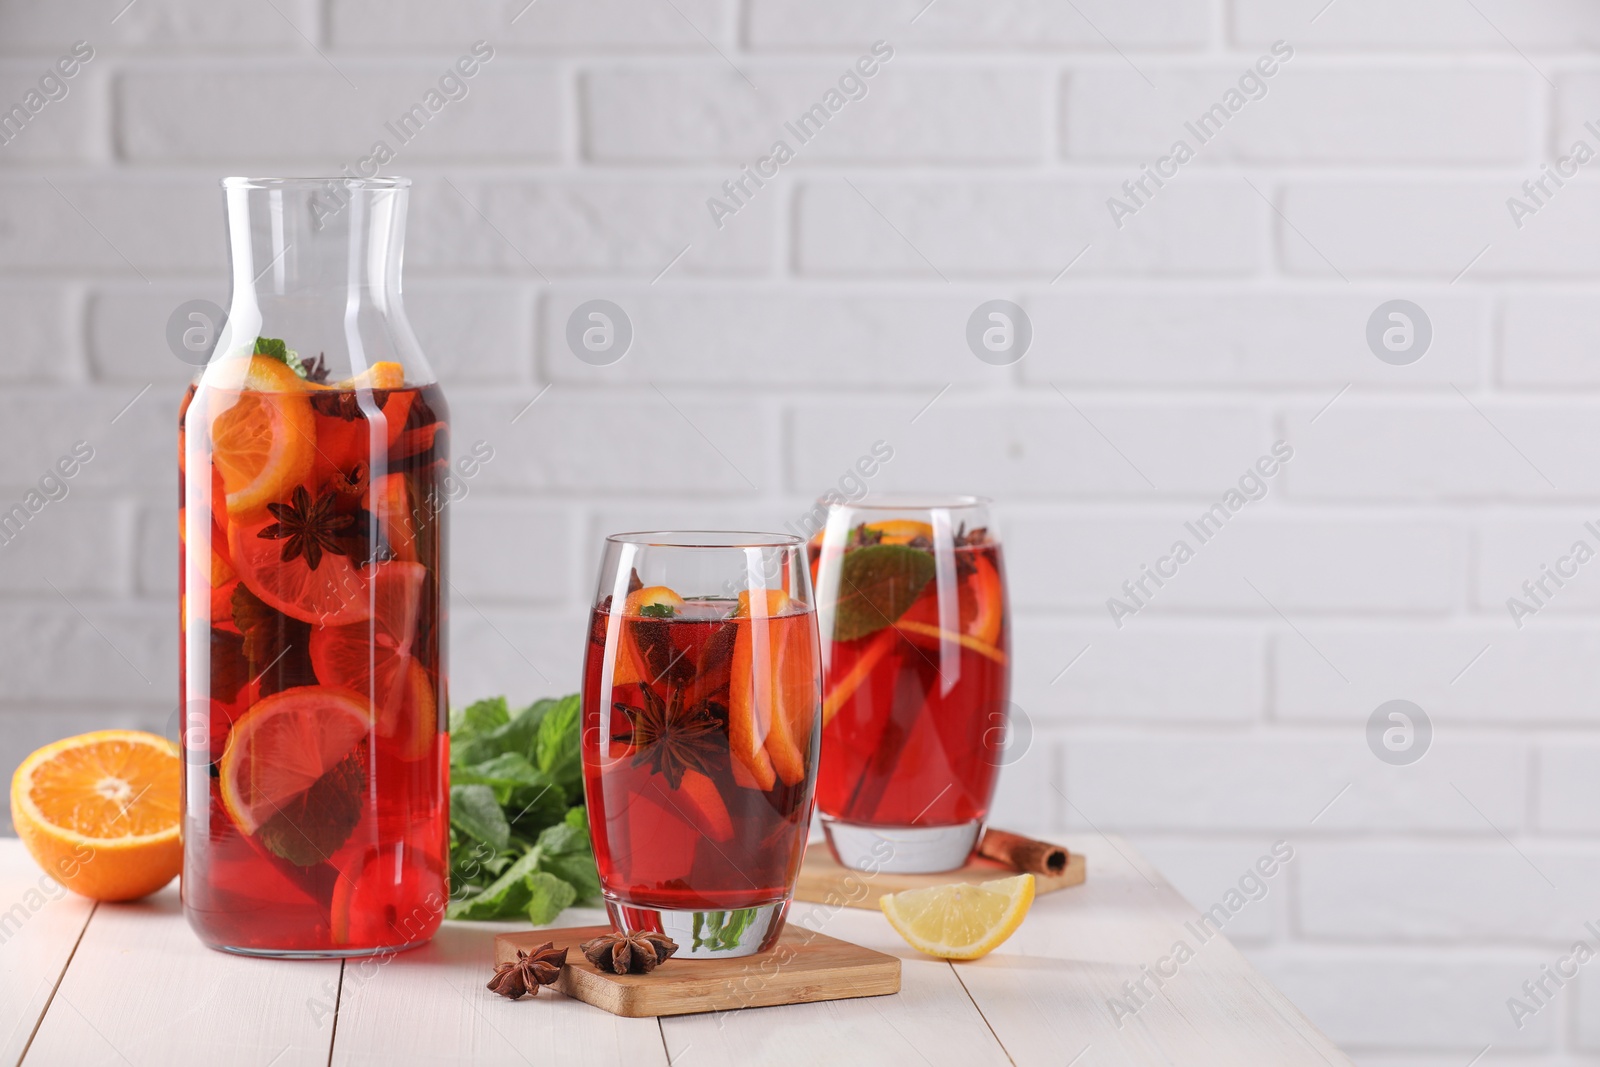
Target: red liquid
729, 831
917, 741
316, 766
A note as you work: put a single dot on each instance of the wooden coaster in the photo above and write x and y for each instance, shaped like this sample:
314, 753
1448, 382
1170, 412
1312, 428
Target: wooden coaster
823, 881
804, 966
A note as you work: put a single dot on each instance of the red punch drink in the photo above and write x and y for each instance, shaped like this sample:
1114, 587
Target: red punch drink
917, 683
699, 744
316, 764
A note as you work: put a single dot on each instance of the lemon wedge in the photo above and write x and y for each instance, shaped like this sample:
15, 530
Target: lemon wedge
961, 921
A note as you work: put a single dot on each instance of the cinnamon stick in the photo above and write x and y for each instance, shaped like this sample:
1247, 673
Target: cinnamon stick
1023, 853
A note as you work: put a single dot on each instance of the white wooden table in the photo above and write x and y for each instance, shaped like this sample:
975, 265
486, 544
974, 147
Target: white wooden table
82, 984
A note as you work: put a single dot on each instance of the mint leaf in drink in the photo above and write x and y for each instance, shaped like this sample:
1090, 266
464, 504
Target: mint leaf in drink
276, 648
877, 584
311, 827
658, 611
274, 347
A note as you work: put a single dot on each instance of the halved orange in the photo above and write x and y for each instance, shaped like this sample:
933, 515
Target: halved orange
263, 436
280, 747
99, 812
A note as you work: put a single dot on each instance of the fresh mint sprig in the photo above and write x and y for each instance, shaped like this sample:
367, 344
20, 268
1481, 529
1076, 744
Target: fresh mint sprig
519, 834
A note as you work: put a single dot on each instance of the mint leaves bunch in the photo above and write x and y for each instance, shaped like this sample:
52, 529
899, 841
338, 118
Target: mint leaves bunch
519, 834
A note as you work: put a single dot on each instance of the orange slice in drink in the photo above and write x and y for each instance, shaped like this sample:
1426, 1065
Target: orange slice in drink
750, 712
384, 374
843, 689
768, 602
989, 607
333, 594
263, 442
920, 633
389, 500
382, 899
414, 725
772, 695
285, 745
375, 658
637, 660
795, 698
653, 596
697, 799
901, 531
99, 812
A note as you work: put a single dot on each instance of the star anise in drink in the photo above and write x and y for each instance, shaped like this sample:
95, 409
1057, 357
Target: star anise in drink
638, 953
308, 529
671, 737
317, 369
864, 535
346, 403
530, 970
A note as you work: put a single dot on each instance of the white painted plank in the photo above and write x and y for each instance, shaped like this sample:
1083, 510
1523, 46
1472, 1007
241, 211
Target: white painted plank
430, 1006
142, 989
1046, 991
931, 1020
39, 926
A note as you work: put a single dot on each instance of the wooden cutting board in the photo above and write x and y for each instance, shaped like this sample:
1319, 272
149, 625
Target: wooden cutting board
804, 966
823, 881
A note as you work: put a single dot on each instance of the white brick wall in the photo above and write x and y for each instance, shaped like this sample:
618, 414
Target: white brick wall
1168, 354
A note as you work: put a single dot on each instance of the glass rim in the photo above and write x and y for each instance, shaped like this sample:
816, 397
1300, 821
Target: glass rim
705, 539
914, 502
374, 184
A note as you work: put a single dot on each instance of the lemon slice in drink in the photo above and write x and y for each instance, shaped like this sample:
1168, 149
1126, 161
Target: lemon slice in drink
960, 921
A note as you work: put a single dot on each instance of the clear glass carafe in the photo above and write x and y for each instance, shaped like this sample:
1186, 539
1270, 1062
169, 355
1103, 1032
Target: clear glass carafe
312, 463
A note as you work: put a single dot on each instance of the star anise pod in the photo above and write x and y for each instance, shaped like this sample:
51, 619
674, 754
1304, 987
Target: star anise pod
864, 535
638, 953
316, 369
345, 403
977, 536
529, 971
307, 529
352, 483
670, 737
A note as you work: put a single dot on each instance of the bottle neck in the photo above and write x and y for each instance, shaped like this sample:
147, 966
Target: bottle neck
316, 263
